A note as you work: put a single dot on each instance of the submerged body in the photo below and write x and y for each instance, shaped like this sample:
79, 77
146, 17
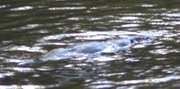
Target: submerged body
90, 50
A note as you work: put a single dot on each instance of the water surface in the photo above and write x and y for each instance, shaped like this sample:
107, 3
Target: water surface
31, 28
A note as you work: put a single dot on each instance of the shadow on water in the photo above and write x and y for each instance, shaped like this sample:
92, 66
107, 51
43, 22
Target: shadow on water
30, 29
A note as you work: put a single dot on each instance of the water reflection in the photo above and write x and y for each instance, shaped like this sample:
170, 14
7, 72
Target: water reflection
22, 87
29, 29
3, 6
67, 8
22, 8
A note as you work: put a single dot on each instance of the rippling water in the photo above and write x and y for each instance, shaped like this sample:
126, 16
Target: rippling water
31, 28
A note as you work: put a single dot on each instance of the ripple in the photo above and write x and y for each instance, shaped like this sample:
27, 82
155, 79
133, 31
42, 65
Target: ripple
164, 51
25, 48
129, 18
133, 83
21, 8
173, 15
130, 25
3, 6
31, 28
18, 69
101, 84
150, 80
2, 75
67, 8
97, 35
148, 5
22, 87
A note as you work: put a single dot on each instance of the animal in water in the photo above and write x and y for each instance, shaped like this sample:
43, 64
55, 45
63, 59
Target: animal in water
91, 49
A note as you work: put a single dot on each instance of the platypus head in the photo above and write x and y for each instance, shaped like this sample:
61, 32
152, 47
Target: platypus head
139, 39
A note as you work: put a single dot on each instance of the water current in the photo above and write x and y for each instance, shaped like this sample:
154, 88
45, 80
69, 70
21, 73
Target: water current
30, 29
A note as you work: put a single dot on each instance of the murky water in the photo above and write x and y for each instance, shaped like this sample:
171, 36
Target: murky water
30, 29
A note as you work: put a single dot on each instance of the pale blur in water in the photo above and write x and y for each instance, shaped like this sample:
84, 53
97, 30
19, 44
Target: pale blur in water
30, 28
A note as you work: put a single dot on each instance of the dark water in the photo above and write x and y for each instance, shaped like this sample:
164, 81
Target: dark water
30, 28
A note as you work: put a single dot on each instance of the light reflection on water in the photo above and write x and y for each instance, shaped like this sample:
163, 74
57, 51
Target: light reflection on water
29, 29
22, 8
103, 84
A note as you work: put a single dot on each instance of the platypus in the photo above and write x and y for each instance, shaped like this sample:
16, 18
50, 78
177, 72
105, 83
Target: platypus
90, 49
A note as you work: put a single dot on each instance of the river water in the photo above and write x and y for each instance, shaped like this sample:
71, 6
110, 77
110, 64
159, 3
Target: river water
31, 28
